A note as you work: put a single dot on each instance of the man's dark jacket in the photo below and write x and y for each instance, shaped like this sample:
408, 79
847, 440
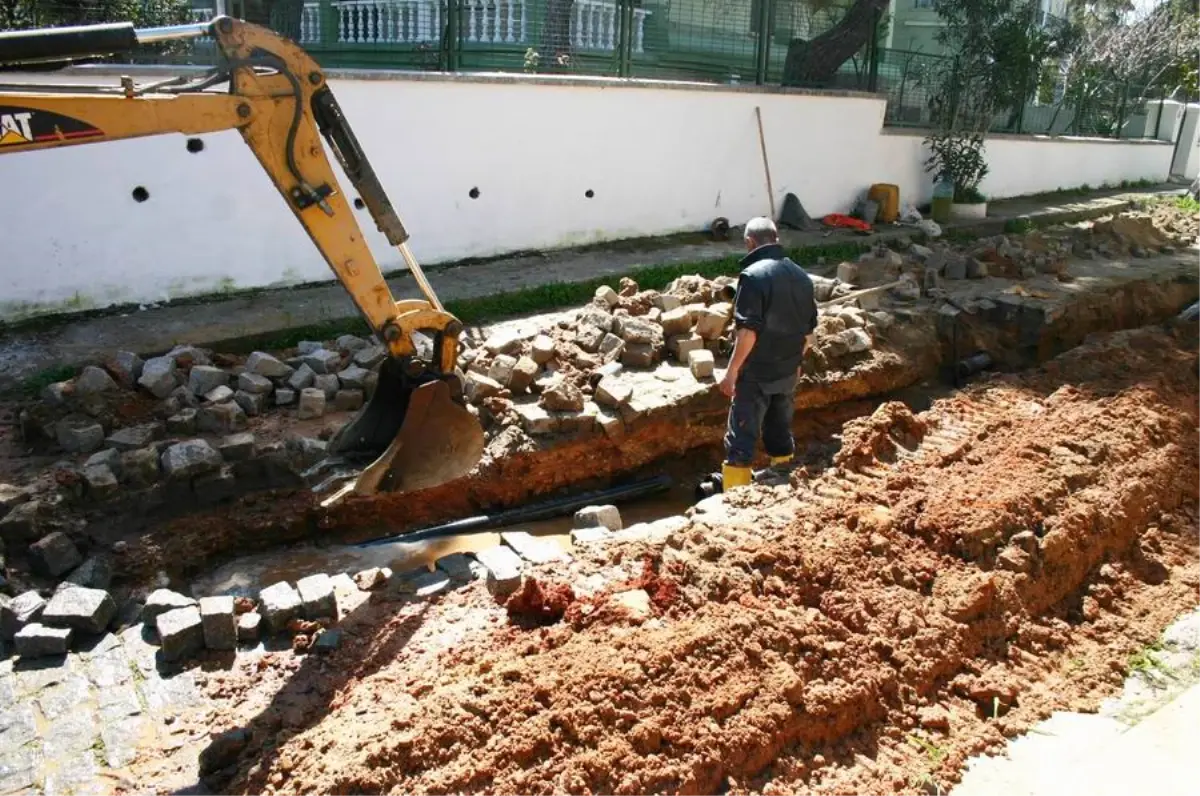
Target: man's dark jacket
775, 299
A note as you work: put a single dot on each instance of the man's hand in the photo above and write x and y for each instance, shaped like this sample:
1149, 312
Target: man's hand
729, 383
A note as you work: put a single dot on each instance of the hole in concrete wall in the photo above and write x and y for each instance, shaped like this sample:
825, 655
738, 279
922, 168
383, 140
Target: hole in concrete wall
589, 193
195, 145
140, 194
473, 193
359, 204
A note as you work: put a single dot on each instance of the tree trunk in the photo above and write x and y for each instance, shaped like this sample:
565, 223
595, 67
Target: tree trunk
554, 45
815, 63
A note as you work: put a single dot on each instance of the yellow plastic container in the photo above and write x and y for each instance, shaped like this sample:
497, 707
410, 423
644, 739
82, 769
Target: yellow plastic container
887, 196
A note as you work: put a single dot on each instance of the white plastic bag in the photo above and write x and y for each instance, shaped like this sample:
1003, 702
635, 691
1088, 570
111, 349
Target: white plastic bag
930, 228
910, 214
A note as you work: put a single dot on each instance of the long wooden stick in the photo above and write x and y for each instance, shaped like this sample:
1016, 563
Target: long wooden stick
849, 297
762, 143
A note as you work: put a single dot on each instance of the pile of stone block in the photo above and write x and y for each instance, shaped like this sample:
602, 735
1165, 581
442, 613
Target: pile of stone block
569, 368
40, 627
199, 396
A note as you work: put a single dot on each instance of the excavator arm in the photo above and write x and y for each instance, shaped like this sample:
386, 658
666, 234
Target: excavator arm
415, 432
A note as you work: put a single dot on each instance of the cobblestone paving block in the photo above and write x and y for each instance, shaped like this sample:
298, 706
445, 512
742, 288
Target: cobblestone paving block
70, 735
76, 774
20, 611
237, 447
581, 536
18, 770
503, 569
17, 726
99, 646
55, 554
532, 548
249, 627
168, 695
61, 699
36, 640
371, 578
85, 610
122, 737
141, 652
110, 668
317, 599
599, 517
160, 601
36, 675
96, 572
219, 623
101, 482
428, 584
312, 404
349, 597
118, 702
180, 632
128, 615
134, 437
456, 565
279, 603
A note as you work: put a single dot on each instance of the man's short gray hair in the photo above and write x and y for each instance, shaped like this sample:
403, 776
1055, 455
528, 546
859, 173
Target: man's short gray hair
761, 231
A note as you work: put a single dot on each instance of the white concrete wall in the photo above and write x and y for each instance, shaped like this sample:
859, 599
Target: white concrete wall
1022, 165
658, 160
1187, 154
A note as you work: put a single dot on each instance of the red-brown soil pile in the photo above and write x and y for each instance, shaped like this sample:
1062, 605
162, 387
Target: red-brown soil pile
922, 593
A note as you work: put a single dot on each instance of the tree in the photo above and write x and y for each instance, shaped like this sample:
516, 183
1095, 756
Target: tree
16, 14
142, 13
816, 62
999, 49
1123, 58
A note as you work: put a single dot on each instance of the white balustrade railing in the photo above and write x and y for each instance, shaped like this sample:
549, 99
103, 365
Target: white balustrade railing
386, 21
594, 23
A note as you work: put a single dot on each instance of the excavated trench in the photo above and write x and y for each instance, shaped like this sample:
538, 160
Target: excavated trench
924, 573
931, 583
675, 432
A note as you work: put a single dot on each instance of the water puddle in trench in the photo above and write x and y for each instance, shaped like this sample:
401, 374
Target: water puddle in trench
250, 574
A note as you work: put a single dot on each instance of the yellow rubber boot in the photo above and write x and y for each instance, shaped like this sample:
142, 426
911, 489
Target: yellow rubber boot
733, 477
781, 461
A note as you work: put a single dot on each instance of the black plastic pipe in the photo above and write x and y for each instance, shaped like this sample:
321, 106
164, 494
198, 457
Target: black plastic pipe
539, 511
973, 364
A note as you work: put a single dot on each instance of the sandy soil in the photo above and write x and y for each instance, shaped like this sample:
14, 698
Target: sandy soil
949, 579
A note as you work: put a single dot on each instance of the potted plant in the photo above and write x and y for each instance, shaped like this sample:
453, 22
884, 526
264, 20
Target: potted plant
956, 157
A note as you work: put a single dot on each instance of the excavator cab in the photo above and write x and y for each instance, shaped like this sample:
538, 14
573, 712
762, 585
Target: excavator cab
415, 432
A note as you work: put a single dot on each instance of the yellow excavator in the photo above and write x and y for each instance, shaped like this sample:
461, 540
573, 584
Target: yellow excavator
415, 432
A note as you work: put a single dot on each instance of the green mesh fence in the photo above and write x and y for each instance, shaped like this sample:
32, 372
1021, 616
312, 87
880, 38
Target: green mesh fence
717, 41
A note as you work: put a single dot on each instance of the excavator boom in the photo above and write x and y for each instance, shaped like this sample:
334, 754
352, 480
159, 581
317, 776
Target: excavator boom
415, 432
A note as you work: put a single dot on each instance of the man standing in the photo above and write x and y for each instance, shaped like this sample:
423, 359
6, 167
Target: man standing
774, 314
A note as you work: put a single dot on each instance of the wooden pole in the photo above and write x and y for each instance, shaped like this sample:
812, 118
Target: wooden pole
762, 143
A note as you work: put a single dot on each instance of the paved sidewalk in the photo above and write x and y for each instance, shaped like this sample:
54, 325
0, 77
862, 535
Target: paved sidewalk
75, 342
65, 724
1142, 742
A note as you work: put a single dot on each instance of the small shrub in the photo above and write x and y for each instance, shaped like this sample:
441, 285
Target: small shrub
958, 157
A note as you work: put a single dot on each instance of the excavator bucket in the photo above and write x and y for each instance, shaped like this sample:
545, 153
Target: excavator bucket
414, 435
